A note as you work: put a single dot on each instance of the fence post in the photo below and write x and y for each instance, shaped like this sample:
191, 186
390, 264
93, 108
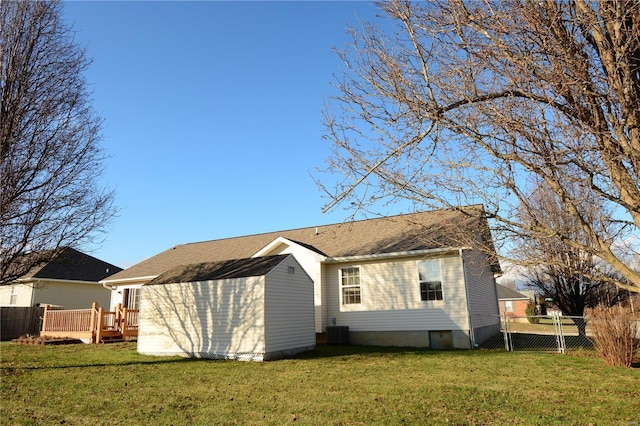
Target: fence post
557, 325
507, 335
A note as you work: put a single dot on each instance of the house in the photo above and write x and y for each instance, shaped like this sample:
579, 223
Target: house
70, 280
250, 309
421, 279
512, 303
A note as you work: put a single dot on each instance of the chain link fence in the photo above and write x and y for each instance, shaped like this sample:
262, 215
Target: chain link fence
550, 333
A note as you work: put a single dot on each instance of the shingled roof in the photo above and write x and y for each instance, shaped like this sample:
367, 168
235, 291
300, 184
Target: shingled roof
226, 269
449, 228
505, 293
72, 265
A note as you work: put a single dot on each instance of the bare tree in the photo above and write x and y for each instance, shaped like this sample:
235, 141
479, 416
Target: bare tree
571, 277
453, 102
49, 141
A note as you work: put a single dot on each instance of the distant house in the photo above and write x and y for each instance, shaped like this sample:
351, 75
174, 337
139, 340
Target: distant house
70, 280
511, 302
423, 279
250, 309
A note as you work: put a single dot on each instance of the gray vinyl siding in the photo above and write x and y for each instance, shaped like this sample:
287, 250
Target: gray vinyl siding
309, 262
483, 298
289, 308
390, 294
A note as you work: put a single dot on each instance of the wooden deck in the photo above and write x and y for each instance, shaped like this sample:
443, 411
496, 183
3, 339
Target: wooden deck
94, 325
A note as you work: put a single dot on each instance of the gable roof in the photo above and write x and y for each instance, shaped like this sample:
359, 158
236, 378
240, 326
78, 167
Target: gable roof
449, 228
505, 293
72, 265
237, 268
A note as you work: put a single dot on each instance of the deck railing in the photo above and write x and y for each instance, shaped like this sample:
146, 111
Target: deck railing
93, 324
75, 320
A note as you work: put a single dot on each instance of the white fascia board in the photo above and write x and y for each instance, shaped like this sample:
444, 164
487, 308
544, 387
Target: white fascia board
452, 250
125, 281
266, 249
54, 280
281, 240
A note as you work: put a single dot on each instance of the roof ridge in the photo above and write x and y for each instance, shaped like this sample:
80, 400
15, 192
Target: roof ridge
346, 222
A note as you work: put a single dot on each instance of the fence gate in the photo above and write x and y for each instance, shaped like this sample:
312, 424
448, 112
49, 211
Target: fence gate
552, 333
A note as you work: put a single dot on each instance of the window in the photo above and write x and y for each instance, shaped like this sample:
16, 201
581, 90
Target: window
430, 280
132, 298
350, 283
508, 306
13, 298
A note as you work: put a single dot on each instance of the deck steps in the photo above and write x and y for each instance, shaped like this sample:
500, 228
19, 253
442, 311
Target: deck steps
111, 339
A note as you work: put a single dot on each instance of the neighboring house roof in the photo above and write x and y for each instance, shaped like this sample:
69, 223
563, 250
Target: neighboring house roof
72, 265
450, 228
505, 293
237, 268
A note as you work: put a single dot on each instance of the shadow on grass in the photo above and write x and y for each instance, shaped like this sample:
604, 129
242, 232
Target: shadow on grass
337, 351
104, 364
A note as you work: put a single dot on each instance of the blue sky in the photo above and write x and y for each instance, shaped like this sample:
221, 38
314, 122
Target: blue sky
212, 115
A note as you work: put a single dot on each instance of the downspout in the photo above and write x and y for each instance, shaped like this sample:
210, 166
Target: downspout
33, 292
107, 286
472, 339
112, 289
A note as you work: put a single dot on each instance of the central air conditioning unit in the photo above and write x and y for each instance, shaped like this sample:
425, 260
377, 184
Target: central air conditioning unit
338, 335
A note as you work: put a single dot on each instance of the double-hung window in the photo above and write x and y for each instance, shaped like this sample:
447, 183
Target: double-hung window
508, 306
430, 277
350, 285
13, 297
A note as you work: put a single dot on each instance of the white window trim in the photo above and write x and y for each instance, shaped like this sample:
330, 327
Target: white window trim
128, 297
509, 306
13, 296
442, 283
340, 286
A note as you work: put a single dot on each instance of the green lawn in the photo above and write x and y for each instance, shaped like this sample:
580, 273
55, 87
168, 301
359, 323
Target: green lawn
114, 385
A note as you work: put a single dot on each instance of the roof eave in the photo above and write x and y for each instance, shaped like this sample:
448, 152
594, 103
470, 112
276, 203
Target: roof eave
283, 240
54, 280
377, 256
125, 281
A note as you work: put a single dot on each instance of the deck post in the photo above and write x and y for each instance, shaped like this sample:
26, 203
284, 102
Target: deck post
123, 324
93, 320
44, 319
118, 315
99, 324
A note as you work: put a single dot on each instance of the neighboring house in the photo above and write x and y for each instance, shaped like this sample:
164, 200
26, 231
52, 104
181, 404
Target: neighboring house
512, 303
250, 309
409, 280
70, 280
